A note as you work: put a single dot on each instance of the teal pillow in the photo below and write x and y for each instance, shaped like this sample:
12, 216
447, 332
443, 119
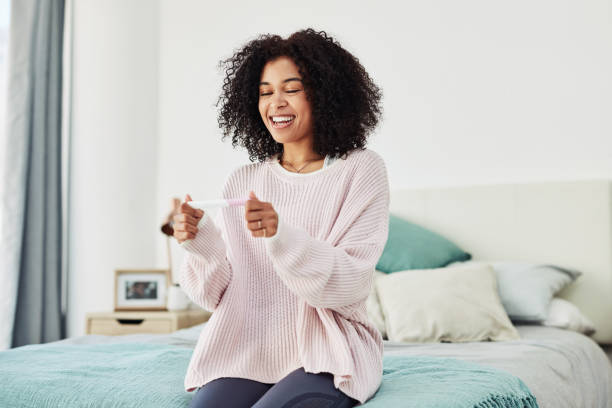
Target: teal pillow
410, 246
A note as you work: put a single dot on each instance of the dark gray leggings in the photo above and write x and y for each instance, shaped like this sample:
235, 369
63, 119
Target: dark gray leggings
299, 389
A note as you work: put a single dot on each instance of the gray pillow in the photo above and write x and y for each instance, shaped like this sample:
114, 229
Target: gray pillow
526, 289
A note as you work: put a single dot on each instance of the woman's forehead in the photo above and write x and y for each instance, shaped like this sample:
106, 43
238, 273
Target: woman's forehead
279, 70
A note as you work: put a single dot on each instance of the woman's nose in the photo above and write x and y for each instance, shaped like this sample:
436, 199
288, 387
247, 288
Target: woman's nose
278, 100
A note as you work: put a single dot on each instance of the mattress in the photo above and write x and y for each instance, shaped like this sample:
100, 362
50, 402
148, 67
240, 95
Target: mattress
561, 368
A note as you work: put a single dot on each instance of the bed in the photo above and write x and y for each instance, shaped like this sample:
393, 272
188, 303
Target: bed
560, 367
562, 223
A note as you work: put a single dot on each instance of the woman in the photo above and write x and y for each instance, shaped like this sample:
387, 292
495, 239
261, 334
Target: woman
289, 327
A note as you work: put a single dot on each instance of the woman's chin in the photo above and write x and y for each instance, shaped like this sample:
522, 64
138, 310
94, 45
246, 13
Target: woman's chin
282, 138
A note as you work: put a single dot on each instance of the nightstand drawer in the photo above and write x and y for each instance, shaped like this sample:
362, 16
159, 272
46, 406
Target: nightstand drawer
130, 326
118, 323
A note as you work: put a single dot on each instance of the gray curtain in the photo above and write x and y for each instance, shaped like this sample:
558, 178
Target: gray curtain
32, 199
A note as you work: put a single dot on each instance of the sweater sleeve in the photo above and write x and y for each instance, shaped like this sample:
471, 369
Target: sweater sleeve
206, 271
337, 275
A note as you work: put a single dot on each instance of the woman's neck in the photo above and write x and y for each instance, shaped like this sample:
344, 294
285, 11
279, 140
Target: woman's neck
297, 158
305, 163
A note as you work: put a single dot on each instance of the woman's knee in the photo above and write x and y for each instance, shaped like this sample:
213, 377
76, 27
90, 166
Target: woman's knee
301, 390
229, 392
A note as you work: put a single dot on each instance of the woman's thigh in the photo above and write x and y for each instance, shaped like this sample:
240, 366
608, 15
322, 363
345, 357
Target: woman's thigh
300, 389
229, 393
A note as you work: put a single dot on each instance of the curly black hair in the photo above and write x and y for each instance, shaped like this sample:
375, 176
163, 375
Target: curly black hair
344, 100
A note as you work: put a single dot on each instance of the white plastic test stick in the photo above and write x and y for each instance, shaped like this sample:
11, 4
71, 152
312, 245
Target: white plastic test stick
208, 204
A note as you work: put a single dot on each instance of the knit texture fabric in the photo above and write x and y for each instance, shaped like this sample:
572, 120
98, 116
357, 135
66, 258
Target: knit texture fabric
296, 299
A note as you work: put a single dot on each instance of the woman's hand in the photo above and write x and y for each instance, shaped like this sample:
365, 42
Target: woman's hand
186, 221
261, 217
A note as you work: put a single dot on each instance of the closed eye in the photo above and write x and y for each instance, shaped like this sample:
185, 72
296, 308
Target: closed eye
270, 93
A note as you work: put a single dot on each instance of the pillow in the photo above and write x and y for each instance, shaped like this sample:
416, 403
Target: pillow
452, 304
526, 289
410, 246
565, 315
373, 307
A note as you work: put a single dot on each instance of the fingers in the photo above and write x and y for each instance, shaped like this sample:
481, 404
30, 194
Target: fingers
184, 231
261, 217
268, 228
185, 208
254, 215
254, 225
186, 221
184, 227
189, 219
265, 230
268, 221
255, 205
182, 221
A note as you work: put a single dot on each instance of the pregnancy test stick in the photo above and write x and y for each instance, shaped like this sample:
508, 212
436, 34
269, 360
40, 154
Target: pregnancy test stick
208, 204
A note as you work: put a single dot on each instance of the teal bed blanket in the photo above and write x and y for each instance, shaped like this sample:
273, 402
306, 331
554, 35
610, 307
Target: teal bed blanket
436, 382
127, 375
135, 375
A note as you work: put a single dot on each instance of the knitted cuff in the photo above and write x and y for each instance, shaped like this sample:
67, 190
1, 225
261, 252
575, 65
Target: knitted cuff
207, 241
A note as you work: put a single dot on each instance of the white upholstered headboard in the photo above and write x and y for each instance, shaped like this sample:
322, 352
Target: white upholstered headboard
565, 223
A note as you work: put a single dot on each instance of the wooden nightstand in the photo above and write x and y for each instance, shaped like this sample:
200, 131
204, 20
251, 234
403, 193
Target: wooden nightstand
116, 323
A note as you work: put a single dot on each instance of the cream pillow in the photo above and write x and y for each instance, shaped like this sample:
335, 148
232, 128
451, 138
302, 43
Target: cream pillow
451, 304
373, 307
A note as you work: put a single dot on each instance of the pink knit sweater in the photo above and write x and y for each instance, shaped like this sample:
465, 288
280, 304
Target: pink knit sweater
296, 299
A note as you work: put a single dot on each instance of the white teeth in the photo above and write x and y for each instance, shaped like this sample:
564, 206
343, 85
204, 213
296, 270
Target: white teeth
281, 118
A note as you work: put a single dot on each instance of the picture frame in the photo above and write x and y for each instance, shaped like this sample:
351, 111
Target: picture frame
141, 289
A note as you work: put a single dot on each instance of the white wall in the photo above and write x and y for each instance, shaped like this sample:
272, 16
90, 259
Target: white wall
114, 149
475, 92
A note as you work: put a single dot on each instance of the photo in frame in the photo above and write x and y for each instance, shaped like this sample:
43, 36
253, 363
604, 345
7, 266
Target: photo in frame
141, 289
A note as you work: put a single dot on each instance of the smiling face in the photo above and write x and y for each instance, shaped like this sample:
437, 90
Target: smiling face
283, 105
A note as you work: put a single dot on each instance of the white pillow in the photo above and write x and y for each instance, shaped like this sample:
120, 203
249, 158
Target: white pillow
565, 315
452, 304
373, 307
526, 289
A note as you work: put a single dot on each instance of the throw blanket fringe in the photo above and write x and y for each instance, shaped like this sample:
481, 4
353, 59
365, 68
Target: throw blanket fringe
500, 401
